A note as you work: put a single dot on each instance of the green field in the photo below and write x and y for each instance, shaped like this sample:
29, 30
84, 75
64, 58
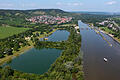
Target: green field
9, 31
107, 30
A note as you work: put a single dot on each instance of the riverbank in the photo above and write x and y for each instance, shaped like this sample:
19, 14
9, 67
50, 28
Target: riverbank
95, 50
107, 33
98, 32
22, 50
112, 36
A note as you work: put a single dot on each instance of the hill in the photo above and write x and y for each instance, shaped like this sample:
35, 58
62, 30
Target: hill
18, 17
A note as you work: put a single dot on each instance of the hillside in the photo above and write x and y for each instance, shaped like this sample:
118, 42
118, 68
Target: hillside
20, 13
17, 17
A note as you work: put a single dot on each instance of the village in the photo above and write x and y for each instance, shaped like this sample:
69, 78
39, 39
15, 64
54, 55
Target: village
110, 24
46, 19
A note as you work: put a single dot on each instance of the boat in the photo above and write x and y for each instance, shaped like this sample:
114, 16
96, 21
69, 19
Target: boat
105, 59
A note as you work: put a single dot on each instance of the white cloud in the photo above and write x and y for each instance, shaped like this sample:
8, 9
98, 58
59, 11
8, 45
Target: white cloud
69, 4
6, 4
111, 2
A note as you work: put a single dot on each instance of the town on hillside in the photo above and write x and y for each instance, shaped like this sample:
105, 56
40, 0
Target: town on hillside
47, 19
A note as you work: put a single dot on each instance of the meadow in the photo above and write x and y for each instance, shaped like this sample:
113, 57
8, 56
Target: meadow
10, 31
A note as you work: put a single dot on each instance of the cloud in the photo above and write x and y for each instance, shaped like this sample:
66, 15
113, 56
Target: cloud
18, 6
69, 4
111, 2
6, 4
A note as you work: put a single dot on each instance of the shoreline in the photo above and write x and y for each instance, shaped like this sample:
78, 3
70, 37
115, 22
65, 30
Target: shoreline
110, 35
98, 32
18, 53
22, 50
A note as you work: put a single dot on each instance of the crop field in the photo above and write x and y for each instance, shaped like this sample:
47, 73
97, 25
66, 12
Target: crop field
9, 31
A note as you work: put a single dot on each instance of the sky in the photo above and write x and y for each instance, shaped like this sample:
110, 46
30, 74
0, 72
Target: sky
66, 5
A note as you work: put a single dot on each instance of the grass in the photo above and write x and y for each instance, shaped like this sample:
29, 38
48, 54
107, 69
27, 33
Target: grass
109, 32
102, 36
118, 40
10, 31
106, 30
45, 34
68, 25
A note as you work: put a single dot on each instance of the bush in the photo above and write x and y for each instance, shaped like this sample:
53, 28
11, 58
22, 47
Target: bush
7, 71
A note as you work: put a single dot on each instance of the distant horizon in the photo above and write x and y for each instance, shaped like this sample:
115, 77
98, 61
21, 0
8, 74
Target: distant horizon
66, 5
62, 10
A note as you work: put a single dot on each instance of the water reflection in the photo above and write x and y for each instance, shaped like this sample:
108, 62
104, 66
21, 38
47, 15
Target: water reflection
95, 49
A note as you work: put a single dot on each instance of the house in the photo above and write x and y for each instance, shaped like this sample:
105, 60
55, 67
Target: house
28, 38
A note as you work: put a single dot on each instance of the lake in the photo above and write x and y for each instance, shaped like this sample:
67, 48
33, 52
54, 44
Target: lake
58, 35
39, 61
35, 60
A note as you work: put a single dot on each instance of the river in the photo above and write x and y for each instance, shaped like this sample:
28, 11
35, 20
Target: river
95, 48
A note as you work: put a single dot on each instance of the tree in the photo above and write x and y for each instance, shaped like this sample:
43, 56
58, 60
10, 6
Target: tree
10, 52
16, 47
1, 55
7, 71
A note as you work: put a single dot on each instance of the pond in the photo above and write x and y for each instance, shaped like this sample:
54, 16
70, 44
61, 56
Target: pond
35, 60
38, 61
59, 35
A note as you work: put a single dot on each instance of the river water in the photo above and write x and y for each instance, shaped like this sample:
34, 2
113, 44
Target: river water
95, 49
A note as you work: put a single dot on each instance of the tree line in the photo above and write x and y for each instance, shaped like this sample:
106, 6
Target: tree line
67, 67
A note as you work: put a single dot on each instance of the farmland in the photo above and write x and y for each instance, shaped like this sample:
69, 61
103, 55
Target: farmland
9, 31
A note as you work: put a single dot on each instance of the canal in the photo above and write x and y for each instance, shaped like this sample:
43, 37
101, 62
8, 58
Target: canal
95, 48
